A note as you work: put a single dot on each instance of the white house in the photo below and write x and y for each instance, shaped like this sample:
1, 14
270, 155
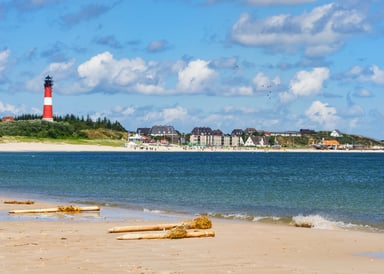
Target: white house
336, 133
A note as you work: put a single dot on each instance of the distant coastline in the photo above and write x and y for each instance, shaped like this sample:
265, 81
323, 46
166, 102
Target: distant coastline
66, 147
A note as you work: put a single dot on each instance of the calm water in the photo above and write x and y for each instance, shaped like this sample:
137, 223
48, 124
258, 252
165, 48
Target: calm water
329, 189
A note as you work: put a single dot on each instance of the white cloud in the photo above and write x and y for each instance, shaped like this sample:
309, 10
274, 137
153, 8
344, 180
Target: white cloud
355, 71
127, 75
172, 114
166, 116
238, 91
305, 83
286, 96
103, 67
150, 89
3, 59
263, 83
8, 108
377, 75
363, 93
196, 77
308, 83
58, 70
320, 31
125, 111
369, 74
323, 115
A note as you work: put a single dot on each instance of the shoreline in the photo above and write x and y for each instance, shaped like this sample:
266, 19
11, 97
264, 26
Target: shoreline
65, 147
53, 243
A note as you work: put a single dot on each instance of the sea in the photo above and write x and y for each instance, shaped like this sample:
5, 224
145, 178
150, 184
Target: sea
328, 190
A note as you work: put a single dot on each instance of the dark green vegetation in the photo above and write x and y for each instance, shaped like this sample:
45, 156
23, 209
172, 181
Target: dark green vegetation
67, 127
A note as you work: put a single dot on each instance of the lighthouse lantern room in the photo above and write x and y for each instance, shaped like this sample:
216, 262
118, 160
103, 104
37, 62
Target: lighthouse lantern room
47, 110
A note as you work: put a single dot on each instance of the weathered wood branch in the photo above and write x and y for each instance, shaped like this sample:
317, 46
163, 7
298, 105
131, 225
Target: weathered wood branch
199, 222
189, 234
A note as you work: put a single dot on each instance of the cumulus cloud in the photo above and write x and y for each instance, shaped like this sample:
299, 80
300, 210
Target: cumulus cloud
375, 75
319, 32
104, 68
309, 82
167, 115
306, 83
60, 70
323, 114
195, 77
3, 59
367, 74
263, 83
8, 108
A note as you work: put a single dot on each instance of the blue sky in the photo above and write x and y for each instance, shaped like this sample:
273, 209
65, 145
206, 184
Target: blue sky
273, 65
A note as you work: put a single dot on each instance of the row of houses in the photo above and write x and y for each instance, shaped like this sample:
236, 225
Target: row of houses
207, 131
205, 136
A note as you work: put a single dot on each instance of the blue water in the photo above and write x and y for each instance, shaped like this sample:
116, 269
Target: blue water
345, 189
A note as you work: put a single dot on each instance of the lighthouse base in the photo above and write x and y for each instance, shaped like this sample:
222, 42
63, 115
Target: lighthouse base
48, 119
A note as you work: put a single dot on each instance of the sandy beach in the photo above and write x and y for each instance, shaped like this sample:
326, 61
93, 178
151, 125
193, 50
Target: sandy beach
53, 243
64, 147
49, 243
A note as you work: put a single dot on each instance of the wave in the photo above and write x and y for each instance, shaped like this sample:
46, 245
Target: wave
306, 221
320, 222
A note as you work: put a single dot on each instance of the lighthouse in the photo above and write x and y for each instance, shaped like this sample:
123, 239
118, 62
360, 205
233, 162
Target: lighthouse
47, 111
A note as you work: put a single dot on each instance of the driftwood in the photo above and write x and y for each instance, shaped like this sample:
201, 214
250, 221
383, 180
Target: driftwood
188, 234
65, 209
15, 202
200, 222
137, 228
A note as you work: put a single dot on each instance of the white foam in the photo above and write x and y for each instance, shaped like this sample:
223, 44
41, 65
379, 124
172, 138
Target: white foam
316, 222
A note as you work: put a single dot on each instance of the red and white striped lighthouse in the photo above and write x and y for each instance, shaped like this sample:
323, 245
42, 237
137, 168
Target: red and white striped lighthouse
47, 111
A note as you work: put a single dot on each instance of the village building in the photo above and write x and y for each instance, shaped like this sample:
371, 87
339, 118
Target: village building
257, 141
8, 119
163, 131
336, 133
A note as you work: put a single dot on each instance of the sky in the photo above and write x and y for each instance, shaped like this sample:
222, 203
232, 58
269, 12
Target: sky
274, 65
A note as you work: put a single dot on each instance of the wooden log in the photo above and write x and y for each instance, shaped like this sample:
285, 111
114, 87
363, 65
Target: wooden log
189, 234
137, 228
200, 222
65, 209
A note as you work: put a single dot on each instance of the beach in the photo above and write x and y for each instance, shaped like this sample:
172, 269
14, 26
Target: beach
52, 244
64, 243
